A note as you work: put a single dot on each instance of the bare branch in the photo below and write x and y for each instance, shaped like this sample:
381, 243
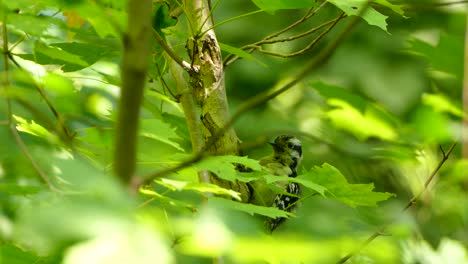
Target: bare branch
308, 47
298, 36
410, 203
252, 47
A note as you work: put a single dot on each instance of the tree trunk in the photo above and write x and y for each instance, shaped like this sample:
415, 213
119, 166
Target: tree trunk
207, 84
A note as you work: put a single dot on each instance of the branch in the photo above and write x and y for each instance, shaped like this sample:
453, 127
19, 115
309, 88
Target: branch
135, 60
185, 65
298, 36
252, 103
308, 47
410, 203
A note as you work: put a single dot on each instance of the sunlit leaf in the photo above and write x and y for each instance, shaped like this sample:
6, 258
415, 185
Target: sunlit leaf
167, 200
362, 125
197, 186
338, 188
58, 84
224, 166
248, 208
284, 249
156, 129
307, 182
34, 129
210, 236
441, 103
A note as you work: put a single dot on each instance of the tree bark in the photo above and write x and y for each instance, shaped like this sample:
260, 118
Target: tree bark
207, 82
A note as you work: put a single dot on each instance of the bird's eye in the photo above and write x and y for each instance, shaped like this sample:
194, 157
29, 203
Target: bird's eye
290, 145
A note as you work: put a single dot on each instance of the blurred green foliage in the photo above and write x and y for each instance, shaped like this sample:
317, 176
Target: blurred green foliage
373, 117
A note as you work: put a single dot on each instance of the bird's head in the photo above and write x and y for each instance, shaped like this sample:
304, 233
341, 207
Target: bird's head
288, 149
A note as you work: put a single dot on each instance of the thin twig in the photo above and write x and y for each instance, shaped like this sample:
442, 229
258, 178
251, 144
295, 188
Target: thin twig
410, 203
164, 84
251, 47
253, 102
185, 65
298, 36
308, 47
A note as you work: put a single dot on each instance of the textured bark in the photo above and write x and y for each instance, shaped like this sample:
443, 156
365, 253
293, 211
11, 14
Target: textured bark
207, 83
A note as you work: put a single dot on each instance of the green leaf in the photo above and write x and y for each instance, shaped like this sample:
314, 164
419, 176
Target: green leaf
168, 200
446, 56
395, 8
354, 8
441, 103
13, 255
339, 189
431, 125
34, 25
161, 17
197, 186
45, 55
58, 84
307, 182
224, 166
34, 129
249, 208
272, 5
89, 52
14, 189
241, 53
362, 125
158, 130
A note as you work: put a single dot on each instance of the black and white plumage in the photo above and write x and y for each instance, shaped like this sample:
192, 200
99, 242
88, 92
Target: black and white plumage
286, 157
